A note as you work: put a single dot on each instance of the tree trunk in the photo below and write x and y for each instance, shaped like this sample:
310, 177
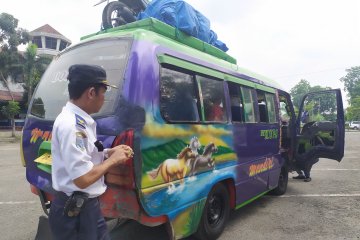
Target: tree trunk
29, 95
7, 86
13, 127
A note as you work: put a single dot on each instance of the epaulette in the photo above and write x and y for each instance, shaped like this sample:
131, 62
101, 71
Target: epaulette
80, 122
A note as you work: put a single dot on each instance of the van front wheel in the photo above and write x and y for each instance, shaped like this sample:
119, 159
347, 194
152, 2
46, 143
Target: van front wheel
215, 214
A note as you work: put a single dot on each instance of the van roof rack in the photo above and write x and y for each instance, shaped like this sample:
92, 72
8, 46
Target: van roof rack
166, 30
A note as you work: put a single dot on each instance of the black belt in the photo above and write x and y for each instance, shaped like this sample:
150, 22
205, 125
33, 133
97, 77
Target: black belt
61, 198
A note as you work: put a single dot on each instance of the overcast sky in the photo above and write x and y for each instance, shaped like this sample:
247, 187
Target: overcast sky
286, 40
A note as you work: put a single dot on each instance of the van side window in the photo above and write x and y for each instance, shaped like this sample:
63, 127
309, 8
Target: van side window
178, 102
261, 101
284, 112
249, 114
266, 105
270, 105
213, 99
237, 106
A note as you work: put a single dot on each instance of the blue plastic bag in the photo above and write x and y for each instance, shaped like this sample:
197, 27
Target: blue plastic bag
184, 17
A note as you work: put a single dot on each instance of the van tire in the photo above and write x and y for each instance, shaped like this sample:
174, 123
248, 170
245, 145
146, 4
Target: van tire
215, 213
126, 15
282, 182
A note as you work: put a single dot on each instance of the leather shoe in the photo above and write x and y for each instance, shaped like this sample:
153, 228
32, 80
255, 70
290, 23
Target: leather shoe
307, 179
299, 177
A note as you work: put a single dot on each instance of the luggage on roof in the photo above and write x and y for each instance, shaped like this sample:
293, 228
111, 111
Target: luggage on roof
184, 17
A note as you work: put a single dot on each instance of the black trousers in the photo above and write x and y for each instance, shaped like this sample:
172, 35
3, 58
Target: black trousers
88, 225
306, 167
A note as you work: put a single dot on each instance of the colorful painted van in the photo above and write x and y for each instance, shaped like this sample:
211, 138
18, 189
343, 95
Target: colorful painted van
208, 136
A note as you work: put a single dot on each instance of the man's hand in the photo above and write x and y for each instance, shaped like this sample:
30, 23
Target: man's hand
120, 154
117, 156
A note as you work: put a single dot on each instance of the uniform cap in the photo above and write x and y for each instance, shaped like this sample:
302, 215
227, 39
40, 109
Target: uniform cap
87, 75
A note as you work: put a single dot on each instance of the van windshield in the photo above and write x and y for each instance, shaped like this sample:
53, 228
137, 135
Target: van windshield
52, 93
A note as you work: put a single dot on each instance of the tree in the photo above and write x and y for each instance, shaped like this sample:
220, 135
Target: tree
352, 82
33, 68
303, 87
29, 69
10, 38
10, 111
321, 106
352, 87
353, 111
298, 92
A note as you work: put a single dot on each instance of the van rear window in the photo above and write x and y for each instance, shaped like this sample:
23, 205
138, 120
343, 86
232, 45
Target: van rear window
52, 94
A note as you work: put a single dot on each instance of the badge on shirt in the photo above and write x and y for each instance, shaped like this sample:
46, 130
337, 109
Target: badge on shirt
80, 122
81, 140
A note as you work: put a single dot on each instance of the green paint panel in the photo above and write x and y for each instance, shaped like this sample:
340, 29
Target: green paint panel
250, 200
164, 29
249, 83
190, 66
44, 147
210, 72
44, 167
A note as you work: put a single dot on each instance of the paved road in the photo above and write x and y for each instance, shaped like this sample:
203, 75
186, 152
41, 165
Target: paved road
326, 208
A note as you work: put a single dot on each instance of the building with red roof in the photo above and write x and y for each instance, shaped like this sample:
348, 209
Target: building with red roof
48, 40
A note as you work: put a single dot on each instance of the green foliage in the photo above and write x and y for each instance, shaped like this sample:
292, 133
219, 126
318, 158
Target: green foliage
30, 66
303, 87
353, 111
10, 38
319, 118
352, 87
11, 110
30, 72
33, 68
298, 92
321, 106
352, 82
10, 35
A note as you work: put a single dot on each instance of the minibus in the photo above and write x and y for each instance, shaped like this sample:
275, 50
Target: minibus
208, 136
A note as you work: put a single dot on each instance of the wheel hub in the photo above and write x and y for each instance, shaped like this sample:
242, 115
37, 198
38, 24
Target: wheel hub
214, 210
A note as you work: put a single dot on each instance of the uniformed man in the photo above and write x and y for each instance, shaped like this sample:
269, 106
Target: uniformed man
304, 169
78, 165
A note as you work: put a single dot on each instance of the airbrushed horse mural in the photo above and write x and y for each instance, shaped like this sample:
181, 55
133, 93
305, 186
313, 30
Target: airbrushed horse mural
188, 160
195, 145
204, 161
174, 168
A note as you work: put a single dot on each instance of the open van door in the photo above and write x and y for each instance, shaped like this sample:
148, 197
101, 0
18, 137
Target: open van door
320, 126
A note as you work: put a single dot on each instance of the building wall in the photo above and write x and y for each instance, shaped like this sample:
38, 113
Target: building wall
45, 49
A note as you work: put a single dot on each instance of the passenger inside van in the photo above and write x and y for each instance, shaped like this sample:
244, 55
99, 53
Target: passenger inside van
182, 109
262, 111
236, 109
262, 106
216, 111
